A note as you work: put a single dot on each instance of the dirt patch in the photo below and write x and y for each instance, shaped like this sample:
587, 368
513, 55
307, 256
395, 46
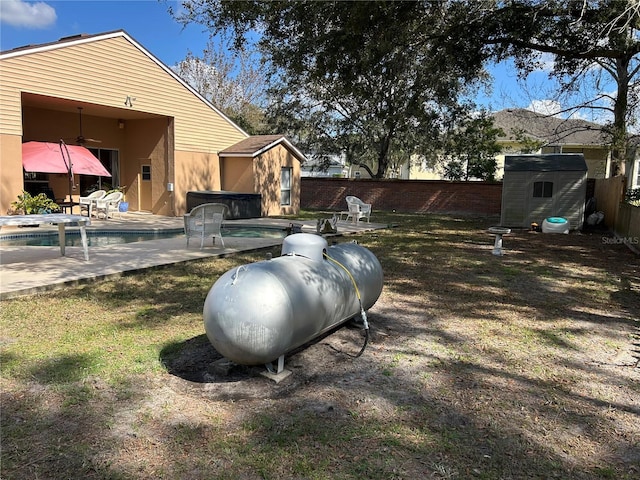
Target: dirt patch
530, 360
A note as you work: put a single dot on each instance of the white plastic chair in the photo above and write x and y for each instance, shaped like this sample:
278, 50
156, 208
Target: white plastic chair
88, 203
109, 204
205, 220
357, 209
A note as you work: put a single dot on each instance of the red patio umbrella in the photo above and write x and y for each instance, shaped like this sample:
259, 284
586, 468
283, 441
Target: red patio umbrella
47, 157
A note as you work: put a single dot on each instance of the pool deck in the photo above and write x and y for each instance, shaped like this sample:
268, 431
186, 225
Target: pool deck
28, 270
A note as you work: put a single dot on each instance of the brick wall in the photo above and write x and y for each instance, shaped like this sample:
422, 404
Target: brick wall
415, 196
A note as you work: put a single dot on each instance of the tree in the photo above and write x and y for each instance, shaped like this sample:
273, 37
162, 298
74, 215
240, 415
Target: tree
375, 80
471, 149
591, 42
233, 83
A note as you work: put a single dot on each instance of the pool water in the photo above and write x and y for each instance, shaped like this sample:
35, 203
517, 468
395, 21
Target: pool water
103, 239
254, 232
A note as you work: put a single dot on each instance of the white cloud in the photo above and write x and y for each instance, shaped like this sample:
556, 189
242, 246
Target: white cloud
545, 107
19, 13
547, 62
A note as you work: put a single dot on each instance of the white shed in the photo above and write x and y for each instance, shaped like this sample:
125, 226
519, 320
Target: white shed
538, 186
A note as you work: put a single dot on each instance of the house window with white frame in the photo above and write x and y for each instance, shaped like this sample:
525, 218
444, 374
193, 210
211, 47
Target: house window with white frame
285, 186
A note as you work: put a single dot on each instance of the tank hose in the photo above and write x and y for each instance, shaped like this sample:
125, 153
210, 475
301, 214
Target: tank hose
235, 275
363, 314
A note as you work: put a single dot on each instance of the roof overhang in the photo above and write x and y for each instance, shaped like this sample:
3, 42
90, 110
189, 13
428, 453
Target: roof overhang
282, 140
84, 38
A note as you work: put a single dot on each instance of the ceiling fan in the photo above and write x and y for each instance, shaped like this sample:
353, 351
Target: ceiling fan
81, 139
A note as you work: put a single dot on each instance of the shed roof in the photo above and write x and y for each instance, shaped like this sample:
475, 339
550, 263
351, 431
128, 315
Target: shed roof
258, 144
552, 162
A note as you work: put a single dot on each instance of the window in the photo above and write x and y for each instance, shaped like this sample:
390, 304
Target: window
110, 160
542, 189
146, 173
285, 186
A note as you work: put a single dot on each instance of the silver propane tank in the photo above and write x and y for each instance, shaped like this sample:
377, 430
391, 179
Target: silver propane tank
258, 312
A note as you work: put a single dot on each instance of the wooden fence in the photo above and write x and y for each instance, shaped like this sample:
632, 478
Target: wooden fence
622, 218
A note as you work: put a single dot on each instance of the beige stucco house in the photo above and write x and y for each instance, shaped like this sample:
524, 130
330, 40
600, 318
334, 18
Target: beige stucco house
157, 136
268, 164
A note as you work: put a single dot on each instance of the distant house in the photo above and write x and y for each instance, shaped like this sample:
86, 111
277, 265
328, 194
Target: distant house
314, 168
157, 136
543, 134
530, 132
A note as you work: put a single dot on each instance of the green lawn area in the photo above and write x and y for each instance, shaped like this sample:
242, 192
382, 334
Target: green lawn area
515, 367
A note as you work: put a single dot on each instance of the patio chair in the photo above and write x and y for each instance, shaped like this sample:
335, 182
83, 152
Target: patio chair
88, 203
109, 204
205, 220
357, 209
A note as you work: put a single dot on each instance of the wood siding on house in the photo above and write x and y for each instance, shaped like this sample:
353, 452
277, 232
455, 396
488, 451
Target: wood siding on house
178, 131
67, 73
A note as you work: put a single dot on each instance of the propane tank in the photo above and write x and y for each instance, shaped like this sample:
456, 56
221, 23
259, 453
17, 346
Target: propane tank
257, 312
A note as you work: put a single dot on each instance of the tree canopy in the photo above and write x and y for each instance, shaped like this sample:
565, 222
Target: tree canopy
374, 80
470, 149
382, 81
233, 83
592, 43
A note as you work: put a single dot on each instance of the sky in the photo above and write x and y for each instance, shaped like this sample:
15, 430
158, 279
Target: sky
147, 21
25, 22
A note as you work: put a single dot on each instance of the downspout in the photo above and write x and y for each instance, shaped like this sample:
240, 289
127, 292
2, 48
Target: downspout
170, 159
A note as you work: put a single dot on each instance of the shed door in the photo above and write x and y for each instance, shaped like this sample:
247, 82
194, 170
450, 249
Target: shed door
542, 188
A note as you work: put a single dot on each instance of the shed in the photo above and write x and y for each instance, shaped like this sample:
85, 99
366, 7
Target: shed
538, 186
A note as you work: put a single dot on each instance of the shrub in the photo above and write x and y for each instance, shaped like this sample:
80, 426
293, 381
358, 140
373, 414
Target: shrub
633, 196
28, 204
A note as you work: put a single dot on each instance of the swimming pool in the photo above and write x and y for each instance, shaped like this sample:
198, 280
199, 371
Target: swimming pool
105, 238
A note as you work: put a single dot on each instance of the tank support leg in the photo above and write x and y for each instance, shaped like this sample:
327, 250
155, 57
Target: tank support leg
280, 367
279, 373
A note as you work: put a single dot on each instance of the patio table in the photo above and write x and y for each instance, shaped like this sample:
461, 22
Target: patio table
61, 219
67, 206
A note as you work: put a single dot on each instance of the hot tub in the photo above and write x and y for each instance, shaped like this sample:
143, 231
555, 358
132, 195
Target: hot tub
555, 225
240, 205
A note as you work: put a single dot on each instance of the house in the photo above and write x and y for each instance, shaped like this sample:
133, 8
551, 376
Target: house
157, 136
335, 167
526, 131
537, 186
265, 164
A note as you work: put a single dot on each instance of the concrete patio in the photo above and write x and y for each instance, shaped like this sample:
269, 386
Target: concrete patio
25, 270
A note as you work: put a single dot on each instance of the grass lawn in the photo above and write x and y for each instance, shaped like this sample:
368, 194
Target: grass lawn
515, 367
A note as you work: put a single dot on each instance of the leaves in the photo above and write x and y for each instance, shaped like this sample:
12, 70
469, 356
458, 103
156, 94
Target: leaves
368, 79
34, 204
